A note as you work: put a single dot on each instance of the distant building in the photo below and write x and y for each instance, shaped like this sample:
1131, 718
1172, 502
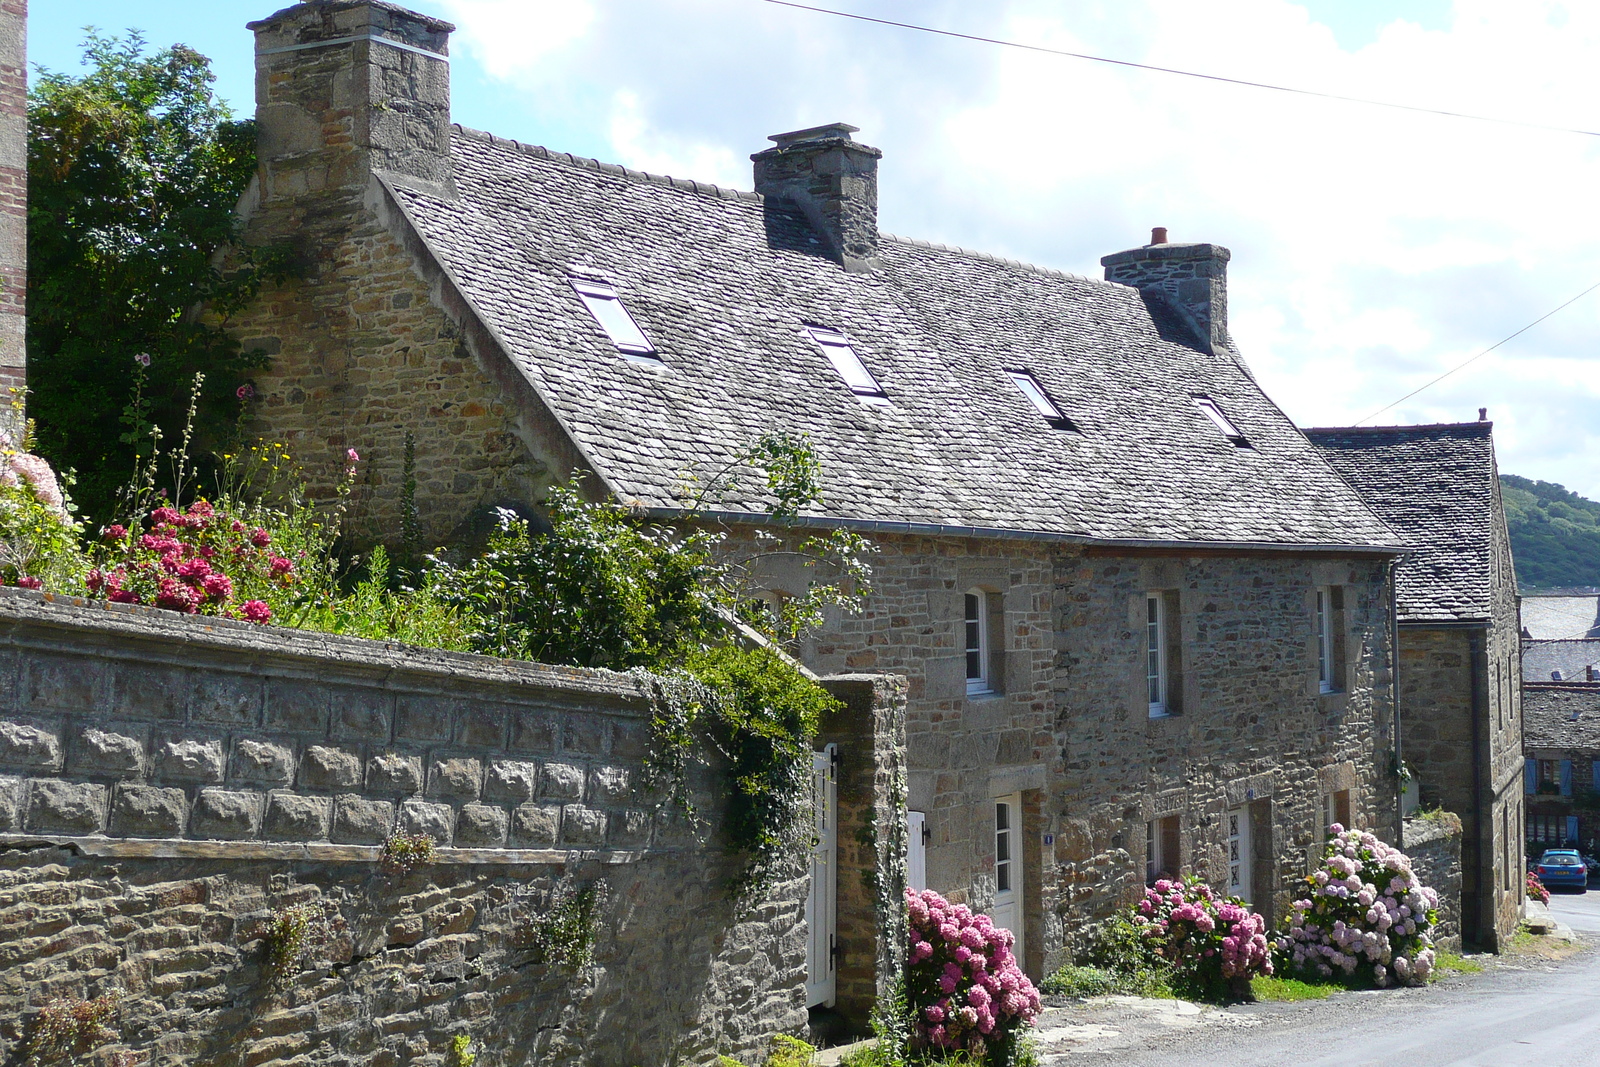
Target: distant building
1456, 607
1561, 741
1560, 661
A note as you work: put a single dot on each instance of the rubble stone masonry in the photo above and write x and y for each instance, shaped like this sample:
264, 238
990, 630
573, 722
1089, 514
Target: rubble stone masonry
167, 782
1071, 730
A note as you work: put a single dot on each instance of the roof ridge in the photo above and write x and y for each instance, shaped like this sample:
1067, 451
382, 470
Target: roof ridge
689, 185
990, 257
727, 193
1475, 424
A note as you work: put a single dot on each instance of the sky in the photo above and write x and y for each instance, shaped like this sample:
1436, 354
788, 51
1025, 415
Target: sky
1373, 249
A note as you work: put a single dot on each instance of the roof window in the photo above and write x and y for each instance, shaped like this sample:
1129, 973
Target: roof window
836, 346
1214, 412
1030, 388
606, 307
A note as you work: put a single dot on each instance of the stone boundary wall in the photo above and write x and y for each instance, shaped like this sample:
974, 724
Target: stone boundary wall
1434, 845
168, 783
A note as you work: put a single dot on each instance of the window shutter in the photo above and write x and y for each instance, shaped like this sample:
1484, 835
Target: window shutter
1572, 829
1566, 778
1530, 776
1594, 771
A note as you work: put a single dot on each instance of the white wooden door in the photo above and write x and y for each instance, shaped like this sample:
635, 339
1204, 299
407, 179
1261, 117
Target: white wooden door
1238, 820
916, 850
1007, 910
822, 899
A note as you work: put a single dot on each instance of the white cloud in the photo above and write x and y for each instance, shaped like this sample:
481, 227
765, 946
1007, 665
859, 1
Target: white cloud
1373, 249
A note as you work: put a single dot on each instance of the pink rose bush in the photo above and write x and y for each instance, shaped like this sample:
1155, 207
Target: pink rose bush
199, 560
962, 982
1367, 915
1214, 943
39, 545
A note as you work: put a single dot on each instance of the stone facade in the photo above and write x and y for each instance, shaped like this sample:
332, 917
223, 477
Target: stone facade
364, 351
13, 194
1070, 729
166, 782
1434, 845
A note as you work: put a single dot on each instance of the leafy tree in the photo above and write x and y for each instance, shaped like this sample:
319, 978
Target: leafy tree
1555, 534
134, 171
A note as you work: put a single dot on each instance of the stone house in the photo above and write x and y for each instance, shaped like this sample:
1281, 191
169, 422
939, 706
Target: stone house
1144, 625
13, 194
1460, 669
1561, 772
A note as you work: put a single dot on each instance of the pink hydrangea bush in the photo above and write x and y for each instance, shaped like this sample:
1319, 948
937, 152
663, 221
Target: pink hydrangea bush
1536, 889
39, 538
1367, 916
962, 982
199, 560
1215, 944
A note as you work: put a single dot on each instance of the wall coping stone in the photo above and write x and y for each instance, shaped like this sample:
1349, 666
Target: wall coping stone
306, 648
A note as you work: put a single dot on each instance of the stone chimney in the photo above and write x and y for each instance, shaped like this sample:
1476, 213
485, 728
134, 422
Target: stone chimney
834, 181
13, 204
348, 87
1193, 278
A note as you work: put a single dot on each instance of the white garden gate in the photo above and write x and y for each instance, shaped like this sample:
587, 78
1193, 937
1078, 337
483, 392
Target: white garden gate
822, 898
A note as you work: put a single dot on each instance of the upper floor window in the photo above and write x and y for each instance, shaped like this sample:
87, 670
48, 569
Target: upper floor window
1163, 653
1330, 639
978, 642
608, 310
1029, 386
1155, 652
836, 346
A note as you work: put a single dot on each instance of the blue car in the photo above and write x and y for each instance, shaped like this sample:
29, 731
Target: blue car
1563, 866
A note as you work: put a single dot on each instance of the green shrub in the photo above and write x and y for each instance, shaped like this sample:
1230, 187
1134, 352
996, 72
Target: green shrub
461, 1054
562, 933
1121, 949
1075, 981
790, 1052
404, 853
68, 1026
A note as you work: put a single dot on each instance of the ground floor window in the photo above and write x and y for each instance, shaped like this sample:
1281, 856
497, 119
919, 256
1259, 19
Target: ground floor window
1550, 830
1336, 809
1161, 849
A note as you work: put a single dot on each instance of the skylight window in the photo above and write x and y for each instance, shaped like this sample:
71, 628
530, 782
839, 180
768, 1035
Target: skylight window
836, 346
1220, 421
604, 304
1030, 388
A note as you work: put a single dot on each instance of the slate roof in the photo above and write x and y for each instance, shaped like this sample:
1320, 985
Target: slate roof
1561, 717
1437, 487
1539, 658
1557, 618
722, 283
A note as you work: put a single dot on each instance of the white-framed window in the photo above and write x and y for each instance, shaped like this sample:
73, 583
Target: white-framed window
608, 310
1161, 848
1029, 386
1155, 653
836, 346
1325, 640
977, 637
1239, 859
1213, 411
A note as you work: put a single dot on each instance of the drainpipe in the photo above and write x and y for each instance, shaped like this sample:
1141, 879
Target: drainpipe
1391, 568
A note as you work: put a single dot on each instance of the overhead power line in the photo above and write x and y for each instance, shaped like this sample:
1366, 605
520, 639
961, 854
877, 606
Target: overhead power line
1480, 355
1186, 73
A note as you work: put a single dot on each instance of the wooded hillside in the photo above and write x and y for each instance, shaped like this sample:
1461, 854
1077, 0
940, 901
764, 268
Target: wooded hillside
1555, 534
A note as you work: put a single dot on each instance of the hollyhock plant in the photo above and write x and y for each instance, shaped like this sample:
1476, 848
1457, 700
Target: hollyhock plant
1366, 915
1214, 943
962, 981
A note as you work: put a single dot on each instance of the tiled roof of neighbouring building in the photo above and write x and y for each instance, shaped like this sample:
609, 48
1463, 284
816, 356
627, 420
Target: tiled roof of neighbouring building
1540, 658
1436, 487
1558, 618
1561, 717
723, 283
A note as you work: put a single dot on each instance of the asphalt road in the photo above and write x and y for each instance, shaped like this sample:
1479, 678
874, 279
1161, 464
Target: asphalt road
1522, 1012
